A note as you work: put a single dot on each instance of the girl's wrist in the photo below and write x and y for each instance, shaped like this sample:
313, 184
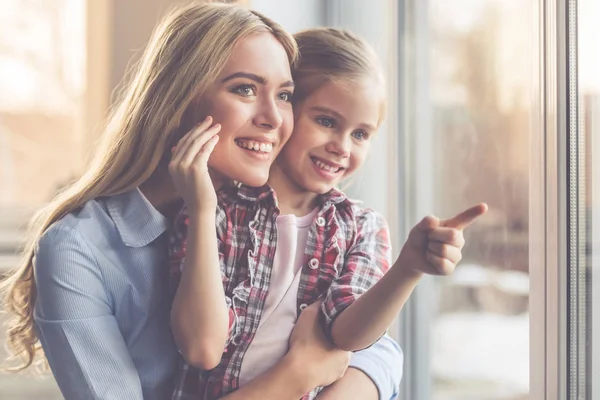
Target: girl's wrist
403, 268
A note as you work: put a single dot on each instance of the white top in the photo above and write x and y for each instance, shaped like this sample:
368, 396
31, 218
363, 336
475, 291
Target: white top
280, 313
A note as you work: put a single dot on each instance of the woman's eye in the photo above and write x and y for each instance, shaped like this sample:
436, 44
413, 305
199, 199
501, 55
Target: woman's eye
245, 90
286, 96
326, 122
360, 135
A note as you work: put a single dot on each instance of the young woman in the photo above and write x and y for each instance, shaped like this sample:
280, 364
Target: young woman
93, 285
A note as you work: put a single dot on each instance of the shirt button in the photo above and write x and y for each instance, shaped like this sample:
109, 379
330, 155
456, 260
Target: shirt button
303, 306
313, 264
321, 221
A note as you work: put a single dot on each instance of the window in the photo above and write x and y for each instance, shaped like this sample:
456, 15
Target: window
42, 135
467, 103
490, 100
42, 56
585, 304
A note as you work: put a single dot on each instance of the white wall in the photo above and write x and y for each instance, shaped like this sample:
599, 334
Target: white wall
376, 183
294, 15
133, 22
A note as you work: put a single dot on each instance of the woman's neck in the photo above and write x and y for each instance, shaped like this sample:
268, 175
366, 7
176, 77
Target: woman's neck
292, 198
160, 191
162, 194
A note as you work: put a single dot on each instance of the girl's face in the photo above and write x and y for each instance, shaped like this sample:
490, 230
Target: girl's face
333, 130
251, 100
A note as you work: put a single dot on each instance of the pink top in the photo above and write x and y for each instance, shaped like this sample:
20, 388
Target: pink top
280, 312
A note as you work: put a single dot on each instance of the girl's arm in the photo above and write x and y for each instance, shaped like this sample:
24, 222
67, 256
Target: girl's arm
433, 247
199, 317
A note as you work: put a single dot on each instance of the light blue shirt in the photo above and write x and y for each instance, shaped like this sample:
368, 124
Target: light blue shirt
103, 304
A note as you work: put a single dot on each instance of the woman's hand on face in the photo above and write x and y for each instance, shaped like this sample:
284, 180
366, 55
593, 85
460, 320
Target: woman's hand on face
189, 167
435, 246
317, 360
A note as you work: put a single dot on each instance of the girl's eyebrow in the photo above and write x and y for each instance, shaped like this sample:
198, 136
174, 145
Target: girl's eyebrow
256, 78
337, 115
328, 110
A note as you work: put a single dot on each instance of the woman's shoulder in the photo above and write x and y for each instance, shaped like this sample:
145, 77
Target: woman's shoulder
88, 220
81, 231
68, 242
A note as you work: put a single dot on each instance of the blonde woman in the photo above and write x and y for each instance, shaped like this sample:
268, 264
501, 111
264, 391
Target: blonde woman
92, 288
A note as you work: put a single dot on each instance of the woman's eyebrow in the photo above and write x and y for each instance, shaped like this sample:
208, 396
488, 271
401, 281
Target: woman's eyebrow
256, 78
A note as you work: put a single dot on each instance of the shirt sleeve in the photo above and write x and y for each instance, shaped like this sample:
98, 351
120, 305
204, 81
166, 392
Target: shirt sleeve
177, 251
383, 364
75, 322
365, 263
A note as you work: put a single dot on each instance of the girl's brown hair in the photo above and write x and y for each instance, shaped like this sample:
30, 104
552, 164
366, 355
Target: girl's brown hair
334, 55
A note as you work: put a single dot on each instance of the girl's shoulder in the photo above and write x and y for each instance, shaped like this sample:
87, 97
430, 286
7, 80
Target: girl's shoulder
353, 209
352, 215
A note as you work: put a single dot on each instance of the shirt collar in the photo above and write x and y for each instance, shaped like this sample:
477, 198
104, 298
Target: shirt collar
137, 221
266, 193
251, 194
335, 196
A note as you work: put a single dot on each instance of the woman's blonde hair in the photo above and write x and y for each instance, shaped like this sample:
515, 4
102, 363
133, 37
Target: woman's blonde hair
185, 55
334, 55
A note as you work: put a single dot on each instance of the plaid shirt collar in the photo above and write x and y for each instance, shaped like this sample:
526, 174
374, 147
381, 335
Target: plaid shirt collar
266, 195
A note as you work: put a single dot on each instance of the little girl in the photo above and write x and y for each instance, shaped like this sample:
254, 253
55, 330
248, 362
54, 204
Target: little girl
299, 240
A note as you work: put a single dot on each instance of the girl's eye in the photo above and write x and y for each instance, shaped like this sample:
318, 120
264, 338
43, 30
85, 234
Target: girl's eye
245, 90
325, 121
360, 135
286, 96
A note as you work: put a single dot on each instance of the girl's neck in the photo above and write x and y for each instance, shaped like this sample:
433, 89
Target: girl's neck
292, 198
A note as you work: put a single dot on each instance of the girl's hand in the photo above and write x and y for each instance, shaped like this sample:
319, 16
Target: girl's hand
318, 362
434, 247
189, 167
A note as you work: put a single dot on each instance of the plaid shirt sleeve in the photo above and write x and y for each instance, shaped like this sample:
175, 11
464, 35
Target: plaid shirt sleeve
177, 250
365, 262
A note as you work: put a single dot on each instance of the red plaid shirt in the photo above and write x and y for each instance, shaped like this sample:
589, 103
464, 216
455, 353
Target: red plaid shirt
347, 252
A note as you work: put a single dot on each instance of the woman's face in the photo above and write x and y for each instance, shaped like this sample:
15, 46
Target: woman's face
251, 99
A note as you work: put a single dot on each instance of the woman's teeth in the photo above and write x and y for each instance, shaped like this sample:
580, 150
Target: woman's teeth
326, 167
255, 146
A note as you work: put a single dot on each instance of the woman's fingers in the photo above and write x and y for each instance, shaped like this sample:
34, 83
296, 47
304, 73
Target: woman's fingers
200, 144
206, 150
